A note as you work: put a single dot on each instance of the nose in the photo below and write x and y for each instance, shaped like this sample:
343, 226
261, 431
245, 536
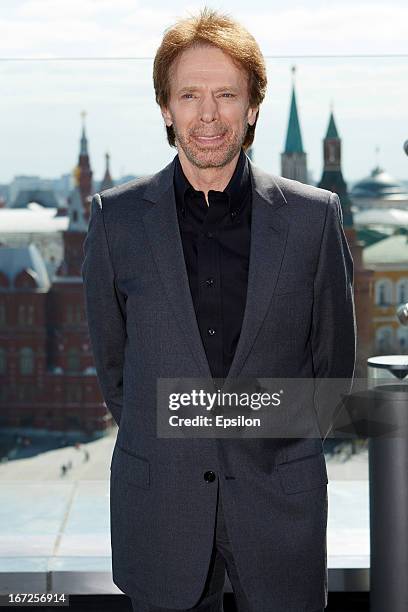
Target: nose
208, 108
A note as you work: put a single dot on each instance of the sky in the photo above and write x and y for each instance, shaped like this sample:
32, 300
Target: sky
60, 57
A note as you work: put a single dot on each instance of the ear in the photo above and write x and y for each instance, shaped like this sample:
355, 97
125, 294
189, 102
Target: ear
252, 113
166, 116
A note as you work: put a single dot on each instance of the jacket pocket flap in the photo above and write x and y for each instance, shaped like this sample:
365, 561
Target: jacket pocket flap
303, 474
132, 468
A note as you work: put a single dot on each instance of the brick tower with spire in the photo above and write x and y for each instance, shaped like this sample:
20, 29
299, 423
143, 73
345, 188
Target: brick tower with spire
332, 179
69, 344
293, 159
107, 181
83, 170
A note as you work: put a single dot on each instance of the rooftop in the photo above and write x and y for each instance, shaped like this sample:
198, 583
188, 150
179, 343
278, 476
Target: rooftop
391, 250
33, 219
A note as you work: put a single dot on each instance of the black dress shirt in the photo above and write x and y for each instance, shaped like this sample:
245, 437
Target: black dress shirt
216, 245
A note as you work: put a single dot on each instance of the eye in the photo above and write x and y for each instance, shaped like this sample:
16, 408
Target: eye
229, 94
186, 95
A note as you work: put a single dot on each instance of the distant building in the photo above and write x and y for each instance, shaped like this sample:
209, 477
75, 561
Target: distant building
45, 197
83, 172
332, 179
382, 218
374, 224
38, 226
47, 375
293, 158
25, 183
48, 192
389, 260
106, 182
379, 190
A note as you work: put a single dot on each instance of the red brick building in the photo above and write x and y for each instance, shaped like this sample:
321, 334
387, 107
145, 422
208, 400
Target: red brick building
47, 376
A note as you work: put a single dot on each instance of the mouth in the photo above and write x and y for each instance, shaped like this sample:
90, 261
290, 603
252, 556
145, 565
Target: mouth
209, 139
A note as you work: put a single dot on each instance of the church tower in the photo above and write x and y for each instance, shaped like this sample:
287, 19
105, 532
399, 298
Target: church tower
78, 207
332, 179
83, 170
293, 159
107, 181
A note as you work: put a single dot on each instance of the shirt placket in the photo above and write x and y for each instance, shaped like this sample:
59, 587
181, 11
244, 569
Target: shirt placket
209, 283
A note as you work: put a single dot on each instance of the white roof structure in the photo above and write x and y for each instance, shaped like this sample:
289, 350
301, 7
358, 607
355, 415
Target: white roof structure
389, 251
381, 216
14, 260
33, 219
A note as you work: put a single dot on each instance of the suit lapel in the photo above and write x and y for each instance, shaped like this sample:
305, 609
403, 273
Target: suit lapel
268, 240
162, 227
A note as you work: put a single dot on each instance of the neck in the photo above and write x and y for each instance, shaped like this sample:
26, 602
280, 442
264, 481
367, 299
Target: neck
204, 179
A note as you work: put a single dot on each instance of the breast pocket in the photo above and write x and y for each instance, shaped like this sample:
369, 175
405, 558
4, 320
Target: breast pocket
283, 288
296, 281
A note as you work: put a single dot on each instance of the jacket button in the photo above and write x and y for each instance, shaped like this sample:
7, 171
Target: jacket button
209, 476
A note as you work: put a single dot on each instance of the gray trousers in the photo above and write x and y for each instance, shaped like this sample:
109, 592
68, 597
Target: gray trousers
211, 599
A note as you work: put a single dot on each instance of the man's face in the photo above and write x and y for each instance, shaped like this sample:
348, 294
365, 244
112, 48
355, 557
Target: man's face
209, 106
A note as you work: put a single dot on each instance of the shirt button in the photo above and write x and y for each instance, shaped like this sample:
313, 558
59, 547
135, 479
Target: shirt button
234, 213
209, 282
209, 476
209, 234
211, 331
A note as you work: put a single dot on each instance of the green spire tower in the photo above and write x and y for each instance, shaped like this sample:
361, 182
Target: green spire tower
293, 159
332, 177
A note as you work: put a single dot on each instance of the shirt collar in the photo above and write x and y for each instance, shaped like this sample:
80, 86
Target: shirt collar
236, 190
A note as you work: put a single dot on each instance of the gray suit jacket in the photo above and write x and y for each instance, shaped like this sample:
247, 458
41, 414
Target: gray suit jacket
298, 323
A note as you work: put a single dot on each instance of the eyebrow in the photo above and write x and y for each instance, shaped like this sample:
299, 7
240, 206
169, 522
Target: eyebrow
197, 87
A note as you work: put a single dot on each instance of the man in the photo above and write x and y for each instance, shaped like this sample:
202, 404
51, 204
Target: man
213, 268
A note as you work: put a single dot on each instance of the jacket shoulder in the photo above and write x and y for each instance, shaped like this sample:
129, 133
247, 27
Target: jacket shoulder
295, 189
298, 195
135, 194
130, 189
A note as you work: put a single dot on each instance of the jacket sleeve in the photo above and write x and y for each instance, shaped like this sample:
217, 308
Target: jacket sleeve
106, 320
333, 321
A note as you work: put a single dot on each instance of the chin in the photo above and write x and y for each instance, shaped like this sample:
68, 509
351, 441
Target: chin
210, 159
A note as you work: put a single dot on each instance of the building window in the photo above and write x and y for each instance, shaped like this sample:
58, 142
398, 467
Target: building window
72, 422
26, 360
27, 421
69, 314
73, 394
30, 314
384, 339
2, 314
21, 314
402, 291
402, 338
383, 292
3, 361
73, 360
